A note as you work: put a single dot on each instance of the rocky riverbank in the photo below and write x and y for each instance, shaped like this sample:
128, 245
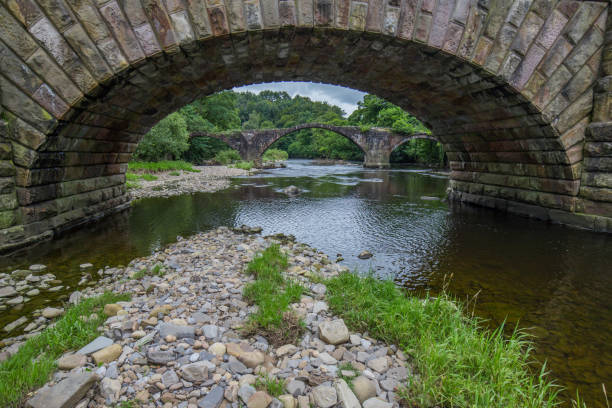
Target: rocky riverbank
179, 341
171, 183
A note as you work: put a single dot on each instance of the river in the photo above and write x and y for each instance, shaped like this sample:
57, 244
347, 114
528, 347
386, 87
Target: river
552, 280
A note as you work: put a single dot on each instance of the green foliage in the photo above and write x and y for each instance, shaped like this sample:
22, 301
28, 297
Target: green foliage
175, 173
244, 165
229, 110
275, 155
459, 363
228, 156
273, 294
130, 185
166, 140
272, 385
33, 364
166, 165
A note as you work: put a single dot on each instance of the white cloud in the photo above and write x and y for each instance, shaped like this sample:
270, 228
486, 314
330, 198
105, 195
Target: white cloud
345, 98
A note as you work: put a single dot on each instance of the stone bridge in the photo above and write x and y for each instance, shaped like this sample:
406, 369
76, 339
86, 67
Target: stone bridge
517, 91
376, 143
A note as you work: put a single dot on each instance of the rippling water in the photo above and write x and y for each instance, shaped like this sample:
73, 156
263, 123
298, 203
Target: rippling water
551, 279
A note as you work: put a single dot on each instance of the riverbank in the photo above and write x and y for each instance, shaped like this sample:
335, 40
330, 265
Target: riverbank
177, 182
191, 336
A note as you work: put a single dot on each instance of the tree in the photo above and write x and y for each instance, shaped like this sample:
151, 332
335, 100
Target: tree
165, 141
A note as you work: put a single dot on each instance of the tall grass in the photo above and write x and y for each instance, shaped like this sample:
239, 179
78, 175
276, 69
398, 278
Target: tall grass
166, 165
273, 294
459, 364
33, 364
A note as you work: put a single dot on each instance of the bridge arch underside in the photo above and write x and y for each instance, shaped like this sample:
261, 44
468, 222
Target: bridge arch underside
510, 107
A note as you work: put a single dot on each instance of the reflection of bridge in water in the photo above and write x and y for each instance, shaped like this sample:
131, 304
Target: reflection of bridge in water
376, 143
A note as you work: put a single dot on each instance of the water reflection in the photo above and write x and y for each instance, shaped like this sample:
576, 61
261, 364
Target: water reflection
554, 280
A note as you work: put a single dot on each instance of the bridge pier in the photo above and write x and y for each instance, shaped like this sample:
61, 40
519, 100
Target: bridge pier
377, 159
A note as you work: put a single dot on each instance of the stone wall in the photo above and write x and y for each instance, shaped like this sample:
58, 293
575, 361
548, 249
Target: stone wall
506, 86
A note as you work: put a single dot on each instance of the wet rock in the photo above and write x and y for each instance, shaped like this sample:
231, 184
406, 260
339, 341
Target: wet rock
324, 396
66, 393
13, 325
213, 398
15, 301
84, 266
98, 344
51, 312
107, 354
334, 332
292, 190
69, 361
37, 268
365, 255
7, 291
33, 292
364, 388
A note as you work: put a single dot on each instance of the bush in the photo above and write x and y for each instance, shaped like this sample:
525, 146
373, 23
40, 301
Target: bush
244, 165
228, 156
275, 155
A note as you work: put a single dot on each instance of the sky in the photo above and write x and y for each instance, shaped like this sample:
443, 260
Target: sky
345, 98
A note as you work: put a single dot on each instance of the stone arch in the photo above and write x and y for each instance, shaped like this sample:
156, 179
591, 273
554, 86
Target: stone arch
506, 86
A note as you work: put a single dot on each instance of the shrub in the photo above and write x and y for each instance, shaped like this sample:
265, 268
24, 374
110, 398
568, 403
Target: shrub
275, 155
228, 156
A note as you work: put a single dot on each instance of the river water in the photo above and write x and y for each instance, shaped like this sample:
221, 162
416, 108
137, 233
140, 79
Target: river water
552, 280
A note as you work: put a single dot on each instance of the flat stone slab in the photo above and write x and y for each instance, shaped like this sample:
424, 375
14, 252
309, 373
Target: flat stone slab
65, 394
98, 344
213, 398
180, 332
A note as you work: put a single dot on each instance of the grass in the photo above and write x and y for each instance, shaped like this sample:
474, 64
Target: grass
133, 177
459, 363
244, 165
272, 385
130, 185
157, 270
32, 365
347, 366
273, 294
166, 165
227, 156
175, 173
274, 155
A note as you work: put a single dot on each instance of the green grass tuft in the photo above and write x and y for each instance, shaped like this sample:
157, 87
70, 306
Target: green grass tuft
244, 165
175, 173
273, 386
459, 363
32, 365
131, 185
166, 165
273, 294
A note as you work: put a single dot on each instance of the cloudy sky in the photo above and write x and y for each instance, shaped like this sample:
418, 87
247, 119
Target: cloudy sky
345, 98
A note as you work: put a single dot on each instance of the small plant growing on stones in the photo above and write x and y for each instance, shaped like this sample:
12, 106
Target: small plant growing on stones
347, 372
272, 385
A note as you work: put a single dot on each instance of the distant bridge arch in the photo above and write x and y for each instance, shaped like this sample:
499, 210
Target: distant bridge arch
376, 143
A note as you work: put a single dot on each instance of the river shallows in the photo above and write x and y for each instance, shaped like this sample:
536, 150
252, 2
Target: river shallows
555, 280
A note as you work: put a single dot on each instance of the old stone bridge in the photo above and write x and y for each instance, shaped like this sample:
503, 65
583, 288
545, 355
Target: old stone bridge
518, 91
376, 143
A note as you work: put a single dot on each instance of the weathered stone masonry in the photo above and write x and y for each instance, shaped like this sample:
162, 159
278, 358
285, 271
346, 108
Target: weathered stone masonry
376, 143
507, 86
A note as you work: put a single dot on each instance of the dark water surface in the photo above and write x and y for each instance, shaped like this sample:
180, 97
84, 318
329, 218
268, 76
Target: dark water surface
554, 280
